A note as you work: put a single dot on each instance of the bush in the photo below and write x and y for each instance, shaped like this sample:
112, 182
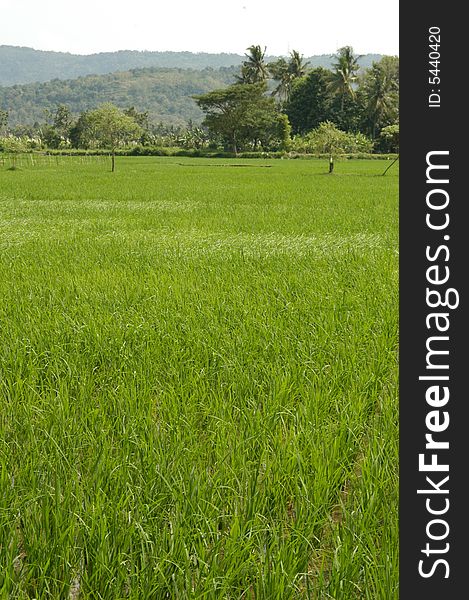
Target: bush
329, 140
13, 145
389, 138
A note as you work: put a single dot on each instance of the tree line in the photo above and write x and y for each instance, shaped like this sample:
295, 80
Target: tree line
360, 104
269, 106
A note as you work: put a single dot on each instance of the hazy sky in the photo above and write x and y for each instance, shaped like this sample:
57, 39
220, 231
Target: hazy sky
312, 27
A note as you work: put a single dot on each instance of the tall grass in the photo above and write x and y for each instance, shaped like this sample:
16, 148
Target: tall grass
198, 380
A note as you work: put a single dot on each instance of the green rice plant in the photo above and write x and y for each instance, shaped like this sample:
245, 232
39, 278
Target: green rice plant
198, 379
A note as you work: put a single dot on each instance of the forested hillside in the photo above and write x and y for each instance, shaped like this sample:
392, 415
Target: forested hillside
165, 93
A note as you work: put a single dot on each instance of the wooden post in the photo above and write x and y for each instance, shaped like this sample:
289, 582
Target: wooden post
395, 160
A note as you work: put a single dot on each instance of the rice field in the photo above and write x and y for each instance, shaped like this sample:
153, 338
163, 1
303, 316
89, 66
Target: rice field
198, 379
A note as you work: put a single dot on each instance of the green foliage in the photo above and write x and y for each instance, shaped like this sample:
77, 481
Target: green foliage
165, 94
328, 139
107, 127
309, 103
380, 90
366, 103
285, 73
312, 102
141, 118
389, 138
243, 116
4, 116
347, 112
254, 69
281, 134
57, 134
13, 145
344, 73
279, 72
195, 137
354, 101
297, 65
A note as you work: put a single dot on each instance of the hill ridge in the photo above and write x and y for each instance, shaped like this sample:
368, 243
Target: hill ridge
22, 64
164, 92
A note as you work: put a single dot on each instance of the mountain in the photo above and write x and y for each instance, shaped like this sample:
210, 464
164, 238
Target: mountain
26, 65
20, 65
164, 90
165, 93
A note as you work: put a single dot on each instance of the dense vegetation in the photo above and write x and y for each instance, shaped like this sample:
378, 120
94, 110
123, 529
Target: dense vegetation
341, 110
198, 377
164, 93
25, 65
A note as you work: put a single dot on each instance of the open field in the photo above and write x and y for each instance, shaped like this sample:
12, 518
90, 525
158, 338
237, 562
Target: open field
198, 378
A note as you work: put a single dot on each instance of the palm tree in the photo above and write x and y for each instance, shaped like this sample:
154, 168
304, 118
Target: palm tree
286, 72
344, 75
280, 73
381, 89
296, 65
254, 69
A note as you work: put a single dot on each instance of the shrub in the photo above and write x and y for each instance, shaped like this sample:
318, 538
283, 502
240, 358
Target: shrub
328, 139
389, 138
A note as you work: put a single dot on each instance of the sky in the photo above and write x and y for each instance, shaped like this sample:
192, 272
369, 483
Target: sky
311, 27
